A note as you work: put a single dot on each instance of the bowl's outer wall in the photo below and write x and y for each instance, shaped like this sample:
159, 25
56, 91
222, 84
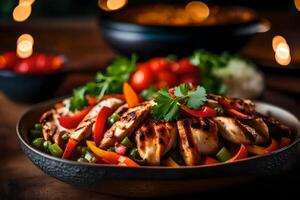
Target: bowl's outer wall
30, 88
152, 181
153, 41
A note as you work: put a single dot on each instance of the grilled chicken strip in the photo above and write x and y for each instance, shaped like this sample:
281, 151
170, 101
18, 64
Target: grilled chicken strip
128, 122
231, 130
48, 124
51, 127
154, 140
276, 128
261, 133
205, 135
245, 105
188, 148
84, 128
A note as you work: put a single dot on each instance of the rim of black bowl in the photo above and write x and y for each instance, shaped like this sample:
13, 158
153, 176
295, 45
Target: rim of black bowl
258, 24
20, 136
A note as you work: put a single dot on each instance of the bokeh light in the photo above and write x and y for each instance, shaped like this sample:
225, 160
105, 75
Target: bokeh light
277, 40
21, 12
25, 46
197, 10
111, 5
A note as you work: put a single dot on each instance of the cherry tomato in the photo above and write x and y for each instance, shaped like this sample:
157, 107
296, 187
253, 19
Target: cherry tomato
166, 78
24, 66
190, 78
159, 64
185, 67
8, 60
141, 79
56, 62
41, 62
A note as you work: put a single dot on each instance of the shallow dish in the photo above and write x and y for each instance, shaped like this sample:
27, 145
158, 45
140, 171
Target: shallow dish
160, 181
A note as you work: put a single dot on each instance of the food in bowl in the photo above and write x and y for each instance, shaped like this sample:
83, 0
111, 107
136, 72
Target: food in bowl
179, 126
224, 74
184, 15
38, 63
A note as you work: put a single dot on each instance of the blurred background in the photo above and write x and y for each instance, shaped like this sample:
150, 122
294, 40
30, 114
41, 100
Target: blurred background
80, 8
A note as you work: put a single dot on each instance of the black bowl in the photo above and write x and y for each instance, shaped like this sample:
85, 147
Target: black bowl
151, 40
159, 181
29, 88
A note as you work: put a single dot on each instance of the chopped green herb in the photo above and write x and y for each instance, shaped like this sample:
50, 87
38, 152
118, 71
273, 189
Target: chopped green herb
149, 93
167, 106
109, 82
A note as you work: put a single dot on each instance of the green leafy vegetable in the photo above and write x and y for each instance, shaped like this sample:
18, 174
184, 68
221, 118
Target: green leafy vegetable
149, 93
196, 98
207, 62
167, 106
109, 82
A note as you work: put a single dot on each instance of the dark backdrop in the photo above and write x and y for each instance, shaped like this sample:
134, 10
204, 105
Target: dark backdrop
59, 8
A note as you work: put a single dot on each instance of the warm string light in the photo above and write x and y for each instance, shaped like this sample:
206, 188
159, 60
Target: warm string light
111, 5
282, 50
25, 46
25, 42
23, 10
197, 10
297, 4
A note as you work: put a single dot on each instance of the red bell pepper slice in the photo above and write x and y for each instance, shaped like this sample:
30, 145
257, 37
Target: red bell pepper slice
226, 104
100, 123
71, 122
284, 141
209, 161
272, 147
70, 148
111, 157
263, 150
91, 100
204, 111
238, 114
241, 154
120, 149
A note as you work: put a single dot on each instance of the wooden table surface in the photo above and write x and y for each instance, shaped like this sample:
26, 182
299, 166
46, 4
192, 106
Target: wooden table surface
81, 42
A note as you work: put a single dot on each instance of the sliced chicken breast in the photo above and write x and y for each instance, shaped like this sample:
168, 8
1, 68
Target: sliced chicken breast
154, 140
127, 124
84, 128
188, 148
232, 131
261, 130
205, 135
48, 124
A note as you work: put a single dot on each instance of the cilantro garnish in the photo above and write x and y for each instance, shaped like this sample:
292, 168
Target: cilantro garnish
167, 106
109, 82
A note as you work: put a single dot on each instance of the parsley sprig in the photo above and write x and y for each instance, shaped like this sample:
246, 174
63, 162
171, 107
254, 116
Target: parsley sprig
167, 106
109, 82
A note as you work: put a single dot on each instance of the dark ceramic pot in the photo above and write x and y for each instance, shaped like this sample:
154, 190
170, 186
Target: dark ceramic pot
149, 40
159, 181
